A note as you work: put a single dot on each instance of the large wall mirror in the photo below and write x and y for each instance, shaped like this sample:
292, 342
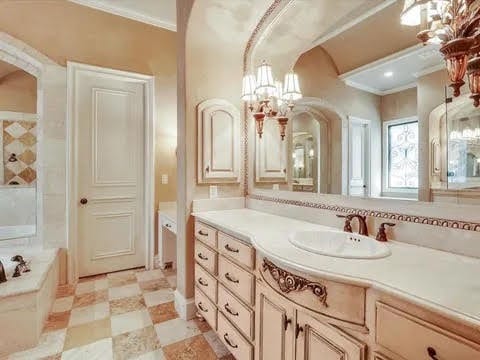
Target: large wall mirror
376, 117
18, 154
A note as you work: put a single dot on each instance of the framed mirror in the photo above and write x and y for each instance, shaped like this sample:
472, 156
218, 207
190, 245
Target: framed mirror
18, 152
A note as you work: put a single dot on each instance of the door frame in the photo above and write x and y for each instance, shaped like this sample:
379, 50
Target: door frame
367, 123
73, 68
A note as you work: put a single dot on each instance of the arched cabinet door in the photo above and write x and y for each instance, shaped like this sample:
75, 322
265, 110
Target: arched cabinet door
219, 136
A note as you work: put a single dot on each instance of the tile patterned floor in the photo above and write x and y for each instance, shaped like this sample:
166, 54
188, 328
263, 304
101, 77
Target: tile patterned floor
123, 315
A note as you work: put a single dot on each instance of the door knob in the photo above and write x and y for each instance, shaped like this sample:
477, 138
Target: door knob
83, 201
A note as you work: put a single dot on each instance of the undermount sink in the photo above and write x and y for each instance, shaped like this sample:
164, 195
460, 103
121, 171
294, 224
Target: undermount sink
339, 244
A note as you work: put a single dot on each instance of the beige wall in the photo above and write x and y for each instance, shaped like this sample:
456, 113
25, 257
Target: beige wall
18, 92
399, 105
65, 31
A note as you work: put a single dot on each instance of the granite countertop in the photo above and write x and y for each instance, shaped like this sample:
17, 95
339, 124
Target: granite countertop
441, 281
40, 262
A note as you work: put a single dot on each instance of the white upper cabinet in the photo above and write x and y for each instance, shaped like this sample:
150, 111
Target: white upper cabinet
218, 142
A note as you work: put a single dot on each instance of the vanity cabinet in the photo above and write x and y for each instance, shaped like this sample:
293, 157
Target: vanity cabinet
218, 142
263, 311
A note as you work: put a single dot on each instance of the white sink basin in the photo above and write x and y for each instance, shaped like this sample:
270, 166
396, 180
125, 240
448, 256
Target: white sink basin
339, 244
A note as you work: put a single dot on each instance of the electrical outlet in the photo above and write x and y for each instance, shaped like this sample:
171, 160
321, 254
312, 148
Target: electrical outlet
164, 179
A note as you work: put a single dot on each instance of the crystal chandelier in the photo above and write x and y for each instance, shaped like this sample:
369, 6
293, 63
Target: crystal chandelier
454, 24
269, 98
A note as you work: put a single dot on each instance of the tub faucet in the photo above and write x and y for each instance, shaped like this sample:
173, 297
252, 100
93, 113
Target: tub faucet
21, 267
3, 276
362, 223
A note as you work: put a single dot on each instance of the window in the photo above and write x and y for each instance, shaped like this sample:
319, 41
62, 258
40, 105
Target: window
400, 156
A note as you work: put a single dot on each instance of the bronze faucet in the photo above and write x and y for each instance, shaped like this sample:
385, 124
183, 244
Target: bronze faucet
382, 235
3, 276
362, 223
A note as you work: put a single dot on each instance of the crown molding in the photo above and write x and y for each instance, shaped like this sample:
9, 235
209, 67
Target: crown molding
126, 13
430, 70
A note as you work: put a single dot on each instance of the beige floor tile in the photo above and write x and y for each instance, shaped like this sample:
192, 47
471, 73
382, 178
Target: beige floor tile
127, 304
90, 298
158, 297
153, 285
50, 343
62, 304
122, 279
175, 330
135, 343
98, 350
87, 333
130, 321
163, 312
57, 321
153, 355
123, 291
65, 290
194, 348
216, 344
149, 275
88, 314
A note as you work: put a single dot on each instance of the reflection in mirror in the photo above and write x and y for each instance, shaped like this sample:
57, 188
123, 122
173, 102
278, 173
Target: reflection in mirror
463, 151
18, 155
304, 170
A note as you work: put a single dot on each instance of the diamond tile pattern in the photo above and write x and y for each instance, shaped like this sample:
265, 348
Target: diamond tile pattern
123, 315
19, 143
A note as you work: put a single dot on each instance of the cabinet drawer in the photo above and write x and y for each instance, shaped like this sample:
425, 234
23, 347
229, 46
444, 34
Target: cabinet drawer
234, 310
236, 279
206, 233
237, 250
206, 283
169, 224
233, 340
206, 308
206, 257
413, 338
343, 303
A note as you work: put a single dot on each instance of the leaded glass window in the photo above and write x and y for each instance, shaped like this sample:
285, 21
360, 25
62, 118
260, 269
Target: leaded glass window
403, 155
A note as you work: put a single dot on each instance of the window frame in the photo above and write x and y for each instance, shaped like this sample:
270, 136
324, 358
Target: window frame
388, 191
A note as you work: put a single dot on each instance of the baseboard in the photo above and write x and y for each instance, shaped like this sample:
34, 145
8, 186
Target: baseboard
185, 307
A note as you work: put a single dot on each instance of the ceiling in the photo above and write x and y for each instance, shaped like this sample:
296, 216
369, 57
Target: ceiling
396, 72
300, 24
161, 13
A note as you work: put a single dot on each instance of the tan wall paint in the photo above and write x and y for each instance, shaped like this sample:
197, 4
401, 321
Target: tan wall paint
430, 94
18, 92
378, 36
65, 31
399, 105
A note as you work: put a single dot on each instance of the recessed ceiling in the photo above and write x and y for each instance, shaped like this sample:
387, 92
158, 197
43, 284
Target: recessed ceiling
6, 69
161, 13
396, 72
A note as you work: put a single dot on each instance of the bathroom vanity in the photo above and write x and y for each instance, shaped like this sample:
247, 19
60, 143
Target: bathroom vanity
269, 299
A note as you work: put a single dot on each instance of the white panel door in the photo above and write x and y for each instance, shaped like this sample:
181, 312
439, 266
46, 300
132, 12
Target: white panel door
109, 114
358, 158
218, 142
271, 154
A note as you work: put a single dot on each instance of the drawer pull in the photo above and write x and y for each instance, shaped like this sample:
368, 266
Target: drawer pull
200, 306
168, 225
202, 257
298, 330
229, 248
286, 322
202, 282
432, 353
229, 310
229, 278
229, 342
201, 232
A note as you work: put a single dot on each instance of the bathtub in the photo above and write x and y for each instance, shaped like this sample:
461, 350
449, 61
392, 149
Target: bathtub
17, 231
25, 301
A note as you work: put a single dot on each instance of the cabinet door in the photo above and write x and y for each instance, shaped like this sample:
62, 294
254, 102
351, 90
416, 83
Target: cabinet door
218, 141
274, 326
316, 340
271, 154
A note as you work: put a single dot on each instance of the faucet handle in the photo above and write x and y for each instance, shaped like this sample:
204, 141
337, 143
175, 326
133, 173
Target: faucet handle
347, 227
382, 234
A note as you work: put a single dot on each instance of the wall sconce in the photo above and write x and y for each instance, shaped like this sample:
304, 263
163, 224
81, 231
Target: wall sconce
269, 98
